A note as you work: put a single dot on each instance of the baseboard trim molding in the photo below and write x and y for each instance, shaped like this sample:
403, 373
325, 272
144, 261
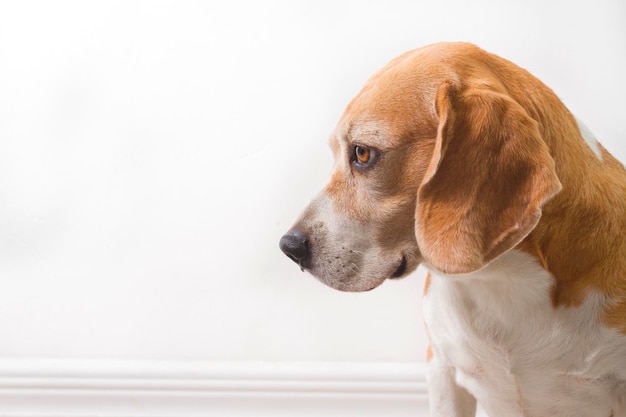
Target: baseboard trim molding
159, 389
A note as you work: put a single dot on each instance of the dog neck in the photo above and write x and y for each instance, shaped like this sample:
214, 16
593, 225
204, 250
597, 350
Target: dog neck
580, 237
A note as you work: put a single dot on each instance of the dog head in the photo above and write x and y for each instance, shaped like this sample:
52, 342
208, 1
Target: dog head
434, 163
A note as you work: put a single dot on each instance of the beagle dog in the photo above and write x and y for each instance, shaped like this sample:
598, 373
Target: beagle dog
459, 160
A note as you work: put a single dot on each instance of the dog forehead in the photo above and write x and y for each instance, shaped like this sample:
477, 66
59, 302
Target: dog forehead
374, 133
396, 100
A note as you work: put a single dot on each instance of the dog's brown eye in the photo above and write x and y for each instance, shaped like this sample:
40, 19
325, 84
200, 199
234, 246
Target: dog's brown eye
362, 154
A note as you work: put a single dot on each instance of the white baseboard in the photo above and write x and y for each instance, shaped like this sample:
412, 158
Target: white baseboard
141, 388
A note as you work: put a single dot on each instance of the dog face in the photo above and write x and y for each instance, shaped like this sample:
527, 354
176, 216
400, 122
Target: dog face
414, 152
359, 230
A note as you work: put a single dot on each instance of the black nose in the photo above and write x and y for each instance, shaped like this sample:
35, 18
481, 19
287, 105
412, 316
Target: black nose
296, 246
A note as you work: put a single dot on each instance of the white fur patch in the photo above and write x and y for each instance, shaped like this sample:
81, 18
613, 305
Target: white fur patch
589, 137
517, 354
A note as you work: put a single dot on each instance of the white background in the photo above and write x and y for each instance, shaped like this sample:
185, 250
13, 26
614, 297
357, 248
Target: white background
152, 153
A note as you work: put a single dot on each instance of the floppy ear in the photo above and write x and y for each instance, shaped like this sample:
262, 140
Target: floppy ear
489, 176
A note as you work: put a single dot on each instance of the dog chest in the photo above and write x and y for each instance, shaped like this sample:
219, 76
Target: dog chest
515, 352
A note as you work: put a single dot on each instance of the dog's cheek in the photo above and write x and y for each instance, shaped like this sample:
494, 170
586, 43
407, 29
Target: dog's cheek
394, 224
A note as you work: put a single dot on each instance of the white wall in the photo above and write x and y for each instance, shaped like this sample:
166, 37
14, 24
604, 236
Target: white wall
152, 153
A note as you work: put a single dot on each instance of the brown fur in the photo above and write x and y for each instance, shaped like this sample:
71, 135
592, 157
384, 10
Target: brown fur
477, 157
478, 197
